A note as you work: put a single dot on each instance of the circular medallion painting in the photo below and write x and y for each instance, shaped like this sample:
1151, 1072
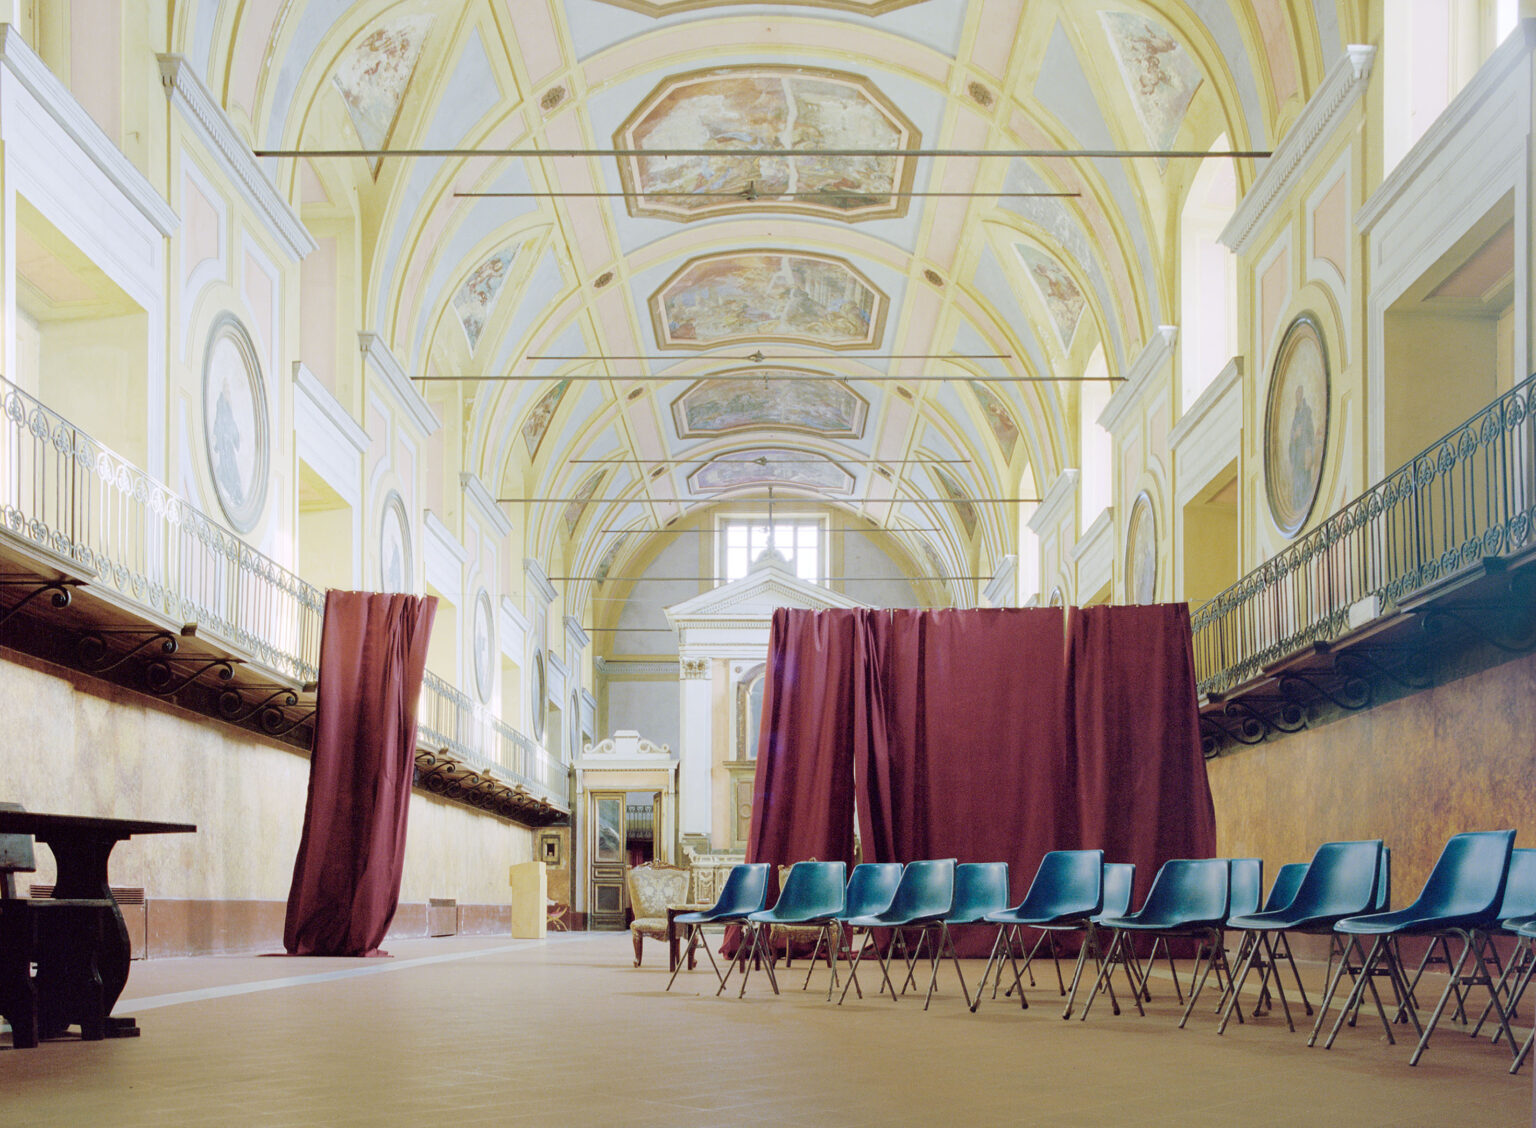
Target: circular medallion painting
1296, 424
394, 546
537, 702
485, 645
1141, 552
235, 422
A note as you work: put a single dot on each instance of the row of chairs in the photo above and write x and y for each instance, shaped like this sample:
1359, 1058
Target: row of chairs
1480, 888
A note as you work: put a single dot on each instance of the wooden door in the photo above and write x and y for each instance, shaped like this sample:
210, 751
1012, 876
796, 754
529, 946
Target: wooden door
608, 849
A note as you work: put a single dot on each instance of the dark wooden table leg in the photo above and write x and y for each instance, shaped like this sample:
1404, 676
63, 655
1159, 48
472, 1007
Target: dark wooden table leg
97, 958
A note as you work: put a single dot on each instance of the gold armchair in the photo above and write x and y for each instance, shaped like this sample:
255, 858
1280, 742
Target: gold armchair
653, 887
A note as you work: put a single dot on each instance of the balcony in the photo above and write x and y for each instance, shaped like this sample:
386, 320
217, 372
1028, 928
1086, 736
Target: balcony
1434, 561
106, 570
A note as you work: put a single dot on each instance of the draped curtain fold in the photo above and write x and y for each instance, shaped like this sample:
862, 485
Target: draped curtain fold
346, 878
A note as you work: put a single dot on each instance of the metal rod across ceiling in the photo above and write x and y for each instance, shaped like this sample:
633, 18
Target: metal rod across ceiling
769, 195
754, 154
765, 500
655, 379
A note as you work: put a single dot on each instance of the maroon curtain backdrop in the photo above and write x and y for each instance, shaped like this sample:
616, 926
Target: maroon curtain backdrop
346, 879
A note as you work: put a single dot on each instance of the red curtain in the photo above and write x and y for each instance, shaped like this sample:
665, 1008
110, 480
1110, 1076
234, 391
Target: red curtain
346, 879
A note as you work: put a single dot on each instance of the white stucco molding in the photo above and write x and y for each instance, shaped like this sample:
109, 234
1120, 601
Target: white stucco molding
538, 581
1056, 503
329, 439
514, 629
208, 119
1208, 436
24, 65
1138, 378
1343, 86
576, 638
485, 504
442, 558
397, 383
1002, 588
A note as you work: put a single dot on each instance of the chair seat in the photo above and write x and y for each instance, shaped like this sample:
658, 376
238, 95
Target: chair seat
892, 920
1142, 923
1406, 922
1013, 916
649, 925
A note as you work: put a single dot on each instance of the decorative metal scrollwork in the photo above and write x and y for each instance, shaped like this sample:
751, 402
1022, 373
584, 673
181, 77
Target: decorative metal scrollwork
94, 656
163, 680
59, 595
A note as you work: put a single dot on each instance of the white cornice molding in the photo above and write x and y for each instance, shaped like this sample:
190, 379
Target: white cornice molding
534, 573
575, 637
1002, 588
1102, 527
1490, 81
382, 361
1297, 150
444, 537
1214, 393
307, 384
1138, 378
621, 668
55, 99
188, 94
1053, 505
485, 504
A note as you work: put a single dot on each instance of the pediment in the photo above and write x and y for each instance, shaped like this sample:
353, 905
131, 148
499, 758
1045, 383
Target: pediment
769, 585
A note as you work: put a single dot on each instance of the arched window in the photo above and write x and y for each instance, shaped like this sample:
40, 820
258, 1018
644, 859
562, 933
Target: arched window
1207, 277
1094, 442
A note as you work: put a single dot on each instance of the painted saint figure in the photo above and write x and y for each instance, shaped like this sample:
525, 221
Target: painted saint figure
226, 448
1303, 452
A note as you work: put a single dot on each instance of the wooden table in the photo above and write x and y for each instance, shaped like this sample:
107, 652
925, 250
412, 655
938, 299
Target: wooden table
81, 845
673, 912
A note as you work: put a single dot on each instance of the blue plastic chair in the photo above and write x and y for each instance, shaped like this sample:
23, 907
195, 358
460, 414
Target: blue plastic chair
1525, 929
871, 889
924, 897
1119, 879
1519, 903
981, 888
1460, 898
1188, 898
1067, 890
745, 892
812, 896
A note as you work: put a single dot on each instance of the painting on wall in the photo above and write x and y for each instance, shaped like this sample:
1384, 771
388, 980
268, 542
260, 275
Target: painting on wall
539, 418
788, 399
1296, 424
235, 422
578, 503
767, 296
473, 300
394, 546
605, 565
1141, 551
1004, 429
771, 467
485, 646
373, 74
936, 570
740, 110
965, 510
1063, 300
1159, 74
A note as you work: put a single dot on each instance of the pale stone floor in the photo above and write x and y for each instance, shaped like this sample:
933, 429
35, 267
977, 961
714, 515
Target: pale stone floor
566, 1032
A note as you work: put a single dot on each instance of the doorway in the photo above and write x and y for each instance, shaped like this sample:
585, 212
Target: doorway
625, 827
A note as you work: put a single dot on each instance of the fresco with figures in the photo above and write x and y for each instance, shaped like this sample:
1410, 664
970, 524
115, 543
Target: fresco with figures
373, 74
771, 397
771, 467
1063, 300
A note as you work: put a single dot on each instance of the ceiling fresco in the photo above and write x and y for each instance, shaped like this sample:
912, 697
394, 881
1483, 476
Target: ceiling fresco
999, 419
956, 494
739, 109
473, 300
784, 399
578, 503
1062, 298
766, 296
373, 75
772, 466
539, 418
1159, 74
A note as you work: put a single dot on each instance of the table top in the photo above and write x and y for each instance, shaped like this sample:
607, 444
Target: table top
41, 825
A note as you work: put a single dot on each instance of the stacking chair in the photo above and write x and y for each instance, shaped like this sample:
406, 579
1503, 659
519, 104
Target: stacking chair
813, 896
1281, 894
1525, 929
1341, 881
1067, 890
924, 897
981, 888
1460, 898
871, 889
1188, 899
1119, 878
745, 893
1519, 902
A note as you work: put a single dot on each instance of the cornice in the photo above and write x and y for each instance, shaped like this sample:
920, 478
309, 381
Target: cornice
1340, 90
1000, 589
307, 384
1089, 542
1206, 402
188, 94
575, 637
485, 504
444, 537
1049, 512
1138, 378
405, 395
533, 572
55, 100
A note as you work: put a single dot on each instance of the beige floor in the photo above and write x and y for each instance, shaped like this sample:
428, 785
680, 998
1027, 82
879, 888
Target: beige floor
566, 1032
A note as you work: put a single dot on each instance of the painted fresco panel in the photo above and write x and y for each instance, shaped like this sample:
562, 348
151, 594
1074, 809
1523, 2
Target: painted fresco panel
964, 510
1004, 430
771, 467
373, 74
539, 418
787, 399
1159, 74
1063, 300
477, 294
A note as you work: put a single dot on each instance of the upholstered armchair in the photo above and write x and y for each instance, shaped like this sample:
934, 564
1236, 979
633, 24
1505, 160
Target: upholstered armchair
652, 888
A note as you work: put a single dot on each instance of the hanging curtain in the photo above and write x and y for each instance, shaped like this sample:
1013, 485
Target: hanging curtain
346, 878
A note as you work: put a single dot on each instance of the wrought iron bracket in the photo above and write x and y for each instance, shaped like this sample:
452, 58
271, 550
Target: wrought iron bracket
60, 597
94, 656
161, 678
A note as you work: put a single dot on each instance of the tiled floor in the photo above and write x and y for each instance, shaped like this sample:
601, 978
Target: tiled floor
566, 1032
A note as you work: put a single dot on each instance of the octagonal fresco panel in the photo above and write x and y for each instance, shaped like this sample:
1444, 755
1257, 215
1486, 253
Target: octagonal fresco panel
771, 466
768, 296
739, 109
788, 399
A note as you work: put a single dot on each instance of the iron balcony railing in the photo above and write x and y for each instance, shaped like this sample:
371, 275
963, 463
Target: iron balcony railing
447, 718
64, 491
1469, 495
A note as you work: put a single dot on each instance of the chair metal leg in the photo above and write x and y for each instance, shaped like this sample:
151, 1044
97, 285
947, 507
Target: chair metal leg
853, 968
947, 939
1216, 957
1090, 942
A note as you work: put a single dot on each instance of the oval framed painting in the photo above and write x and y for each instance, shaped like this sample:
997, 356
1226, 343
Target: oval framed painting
394, 545
538, 696
235, 422
1296, 424
485, 645
1141, 551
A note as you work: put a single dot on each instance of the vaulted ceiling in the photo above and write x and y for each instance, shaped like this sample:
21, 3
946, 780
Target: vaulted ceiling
877, 330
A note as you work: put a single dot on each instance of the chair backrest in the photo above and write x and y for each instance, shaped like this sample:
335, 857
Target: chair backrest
871, 888
813, 890
980, 888
1119, 878
653, 887
746, 890
1287, 881
15, 856
1068, 883
1383, 900
1343, 879
1189, 891
1467, 882
1245, 885
1520, 889
927, 889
